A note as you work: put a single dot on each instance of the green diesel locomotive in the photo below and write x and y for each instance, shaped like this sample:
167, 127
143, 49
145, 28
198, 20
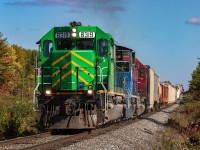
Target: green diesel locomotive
80, 83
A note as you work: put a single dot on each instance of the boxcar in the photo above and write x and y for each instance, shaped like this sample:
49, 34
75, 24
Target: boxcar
153, 87
172, 94
164, 93
169, 92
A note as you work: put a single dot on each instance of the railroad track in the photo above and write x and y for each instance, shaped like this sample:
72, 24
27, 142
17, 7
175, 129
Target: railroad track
8, 144
49, 141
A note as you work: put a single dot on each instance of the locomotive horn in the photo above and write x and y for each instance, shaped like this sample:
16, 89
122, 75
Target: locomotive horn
74, 23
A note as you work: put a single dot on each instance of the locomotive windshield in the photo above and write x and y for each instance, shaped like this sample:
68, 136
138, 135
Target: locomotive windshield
80, 44
123, 61
141, 73
123, 55
85, 45
122, 66
65, 45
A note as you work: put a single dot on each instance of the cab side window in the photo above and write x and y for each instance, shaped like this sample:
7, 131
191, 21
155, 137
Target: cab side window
102, 47
141, 73
48, 48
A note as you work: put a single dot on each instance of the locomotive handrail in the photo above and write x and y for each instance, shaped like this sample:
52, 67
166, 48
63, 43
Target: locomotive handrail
106, 95
34, 99
101, 78
35, 104
101, 81
102, 74
36, 87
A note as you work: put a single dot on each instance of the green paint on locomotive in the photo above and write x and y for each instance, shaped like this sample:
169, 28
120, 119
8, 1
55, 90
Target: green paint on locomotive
68, 66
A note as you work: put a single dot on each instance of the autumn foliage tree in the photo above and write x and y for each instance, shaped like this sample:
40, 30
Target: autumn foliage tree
194, 84
25, 73
16, 69
7, 65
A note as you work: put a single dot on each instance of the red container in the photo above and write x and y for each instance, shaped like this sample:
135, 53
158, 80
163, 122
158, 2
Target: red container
142, 78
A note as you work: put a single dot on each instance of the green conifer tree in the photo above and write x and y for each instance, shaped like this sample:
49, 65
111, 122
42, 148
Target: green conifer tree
194, 84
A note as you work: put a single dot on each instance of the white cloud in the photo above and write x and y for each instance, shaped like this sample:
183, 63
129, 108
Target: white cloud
193, 20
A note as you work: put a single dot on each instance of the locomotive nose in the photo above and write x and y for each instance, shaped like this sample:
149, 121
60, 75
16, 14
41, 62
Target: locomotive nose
74, 72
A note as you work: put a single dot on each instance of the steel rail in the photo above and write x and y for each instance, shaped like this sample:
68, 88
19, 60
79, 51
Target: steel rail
24, 138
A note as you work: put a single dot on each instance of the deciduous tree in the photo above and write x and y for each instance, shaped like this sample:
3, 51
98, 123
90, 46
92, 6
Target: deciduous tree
7, 65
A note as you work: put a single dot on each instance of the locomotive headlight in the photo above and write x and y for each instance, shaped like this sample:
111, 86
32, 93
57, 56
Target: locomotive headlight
73, 29
48, 92
90, 91
73, 34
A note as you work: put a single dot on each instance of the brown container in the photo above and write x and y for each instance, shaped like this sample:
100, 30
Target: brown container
164, 93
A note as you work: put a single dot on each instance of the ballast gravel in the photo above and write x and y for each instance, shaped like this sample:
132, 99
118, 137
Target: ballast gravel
137, 136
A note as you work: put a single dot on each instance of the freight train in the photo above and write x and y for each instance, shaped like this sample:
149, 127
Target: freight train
83, 80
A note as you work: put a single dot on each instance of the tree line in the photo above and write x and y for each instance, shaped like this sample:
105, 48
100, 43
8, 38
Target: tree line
16, 69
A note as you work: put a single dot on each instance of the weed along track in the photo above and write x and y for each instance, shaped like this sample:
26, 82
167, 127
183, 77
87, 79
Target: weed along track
62, 141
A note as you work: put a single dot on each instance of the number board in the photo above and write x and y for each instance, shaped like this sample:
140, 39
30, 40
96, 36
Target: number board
87, 34
60, 35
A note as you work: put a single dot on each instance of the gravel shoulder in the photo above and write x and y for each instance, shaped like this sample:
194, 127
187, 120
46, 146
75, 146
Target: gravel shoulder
137, 136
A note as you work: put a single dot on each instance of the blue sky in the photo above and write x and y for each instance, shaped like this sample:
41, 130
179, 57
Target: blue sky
164, 33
